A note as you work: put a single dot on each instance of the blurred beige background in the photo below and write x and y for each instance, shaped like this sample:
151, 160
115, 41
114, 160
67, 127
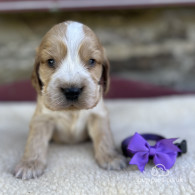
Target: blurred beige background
151, 45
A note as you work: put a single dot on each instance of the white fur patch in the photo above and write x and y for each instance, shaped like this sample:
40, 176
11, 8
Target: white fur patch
74, 36
71, 69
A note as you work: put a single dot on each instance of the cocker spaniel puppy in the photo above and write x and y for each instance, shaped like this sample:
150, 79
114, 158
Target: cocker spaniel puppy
71, 74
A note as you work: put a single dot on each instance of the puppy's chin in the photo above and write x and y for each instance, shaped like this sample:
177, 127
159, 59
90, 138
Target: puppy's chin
70, 106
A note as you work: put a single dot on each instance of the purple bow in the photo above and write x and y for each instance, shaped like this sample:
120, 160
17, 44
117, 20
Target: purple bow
164, 152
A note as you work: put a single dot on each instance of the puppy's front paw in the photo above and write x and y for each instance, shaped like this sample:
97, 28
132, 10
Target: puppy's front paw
111, 162
29, 169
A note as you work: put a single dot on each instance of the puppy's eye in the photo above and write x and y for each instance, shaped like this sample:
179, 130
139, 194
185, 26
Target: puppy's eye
91, 62
51, 62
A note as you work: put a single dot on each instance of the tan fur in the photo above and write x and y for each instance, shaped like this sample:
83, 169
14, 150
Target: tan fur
91, 48
68, 124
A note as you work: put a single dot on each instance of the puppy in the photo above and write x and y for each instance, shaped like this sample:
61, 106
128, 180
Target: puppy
71, 74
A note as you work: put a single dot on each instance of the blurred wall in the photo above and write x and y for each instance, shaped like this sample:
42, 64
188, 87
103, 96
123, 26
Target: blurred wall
151, 45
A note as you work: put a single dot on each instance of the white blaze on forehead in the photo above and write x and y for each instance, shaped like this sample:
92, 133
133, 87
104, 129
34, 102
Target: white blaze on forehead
74, 37
71, 69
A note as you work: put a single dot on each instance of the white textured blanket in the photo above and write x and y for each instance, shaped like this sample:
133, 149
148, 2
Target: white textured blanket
73, 170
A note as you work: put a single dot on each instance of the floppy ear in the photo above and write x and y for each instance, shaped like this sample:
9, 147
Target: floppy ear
35, 79
106, 75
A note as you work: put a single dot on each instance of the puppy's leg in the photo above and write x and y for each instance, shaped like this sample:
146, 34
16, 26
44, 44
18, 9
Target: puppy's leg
33, 162
105, 153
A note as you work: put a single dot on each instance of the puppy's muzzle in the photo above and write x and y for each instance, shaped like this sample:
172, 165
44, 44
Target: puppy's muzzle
72, 93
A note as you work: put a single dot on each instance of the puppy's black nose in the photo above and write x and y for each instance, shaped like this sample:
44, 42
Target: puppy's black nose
72, 93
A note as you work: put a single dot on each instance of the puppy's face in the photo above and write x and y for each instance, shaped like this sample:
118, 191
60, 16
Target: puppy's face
71, 70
